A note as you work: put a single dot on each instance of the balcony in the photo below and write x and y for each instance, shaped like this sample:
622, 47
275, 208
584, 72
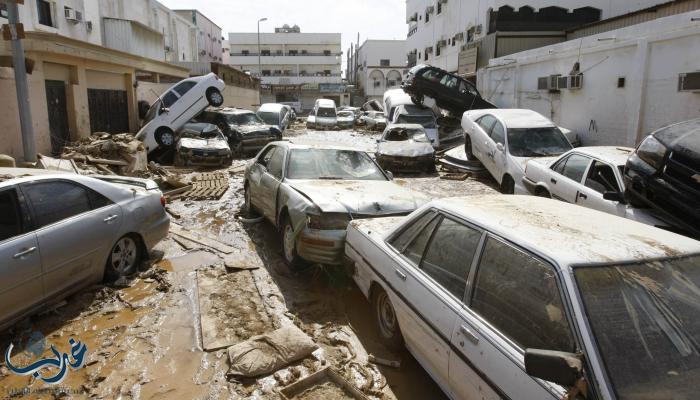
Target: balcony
275, 59
412, 29
288, 54
301, 79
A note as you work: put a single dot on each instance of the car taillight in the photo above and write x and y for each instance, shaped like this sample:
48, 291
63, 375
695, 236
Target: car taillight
163, 201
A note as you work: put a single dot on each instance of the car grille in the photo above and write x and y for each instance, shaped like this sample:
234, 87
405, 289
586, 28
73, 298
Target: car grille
683, 169
203, 153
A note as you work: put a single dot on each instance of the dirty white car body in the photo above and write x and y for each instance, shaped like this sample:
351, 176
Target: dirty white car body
504, 140
60, 233
405, 147
313, 211
475, 286
279, 115
323, 116
374, 120
589, 177
202, 144
174, 108
346, 119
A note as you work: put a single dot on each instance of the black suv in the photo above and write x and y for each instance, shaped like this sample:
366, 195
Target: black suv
664, 173
450, 92
245, 130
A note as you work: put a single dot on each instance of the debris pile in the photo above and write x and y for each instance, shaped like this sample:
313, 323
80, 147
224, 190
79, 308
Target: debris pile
112, 154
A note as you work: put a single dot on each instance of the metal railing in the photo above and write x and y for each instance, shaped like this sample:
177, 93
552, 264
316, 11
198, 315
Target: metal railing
287, 54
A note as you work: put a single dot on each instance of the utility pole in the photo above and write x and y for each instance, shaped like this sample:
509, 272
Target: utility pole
14, 31
259, 67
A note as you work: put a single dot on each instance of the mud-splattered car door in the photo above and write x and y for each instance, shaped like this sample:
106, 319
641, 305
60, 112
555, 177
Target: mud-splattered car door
270, 183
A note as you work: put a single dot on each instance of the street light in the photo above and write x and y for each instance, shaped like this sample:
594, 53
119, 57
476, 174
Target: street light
259, 68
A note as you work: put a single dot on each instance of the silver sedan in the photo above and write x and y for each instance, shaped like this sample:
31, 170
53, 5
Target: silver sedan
62, 232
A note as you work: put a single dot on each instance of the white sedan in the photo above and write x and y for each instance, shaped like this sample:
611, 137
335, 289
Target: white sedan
587, 176
504, 140
521, 297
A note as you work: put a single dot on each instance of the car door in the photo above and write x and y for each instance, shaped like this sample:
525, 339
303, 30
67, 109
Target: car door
468, 94
190, 103
75, 227
449, 91
270, 183
482, 144
255, 177
497, 155
431, 78
601, 178
566, 181
21, 287
513, 303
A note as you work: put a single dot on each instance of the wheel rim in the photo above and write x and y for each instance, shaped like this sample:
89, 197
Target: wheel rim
288, 243
385, 315
124, 255
216, 97
167, 139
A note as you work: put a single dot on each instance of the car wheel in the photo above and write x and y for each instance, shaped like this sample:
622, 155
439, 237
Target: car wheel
542, 192
289, 248
385, 316
248, 207
507, 185
214, 97
165, 137
468, 147
417, 100
123, 258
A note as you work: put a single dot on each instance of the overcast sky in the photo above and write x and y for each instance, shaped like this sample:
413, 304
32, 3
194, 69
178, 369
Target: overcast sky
373, 19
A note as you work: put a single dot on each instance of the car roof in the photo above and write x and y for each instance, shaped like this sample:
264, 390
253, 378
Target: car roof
515, 117
614, 155
415, 110
325, 103
330, 146
229, 110
272, 107
566, 233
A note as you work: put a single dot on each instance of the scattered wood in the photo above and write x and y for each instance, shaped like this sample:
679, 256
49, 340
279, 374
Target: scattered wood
201, 239
237, 262
237, 170
107, 162
177, 191
104, 169
210, 186
383, 361
172, 213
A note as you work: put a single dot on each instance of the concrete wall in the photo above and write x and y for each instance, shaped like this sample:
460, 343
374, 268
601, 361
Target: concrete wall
649, 56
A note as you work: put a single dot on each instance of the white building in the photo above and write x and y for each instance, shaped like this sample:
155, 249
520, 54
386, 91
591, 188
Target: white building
627, 82
438, 30
295, 66
376, 66
209, 40
225, 52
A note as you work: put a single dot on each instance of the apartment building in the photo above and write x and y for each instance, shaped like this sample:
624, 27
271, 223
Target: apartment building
294, 65
376, 66
209, 39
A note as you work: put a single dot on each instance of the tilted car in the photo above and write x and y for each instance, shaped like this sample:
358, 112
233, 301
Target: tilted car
504, 140
346, 120
405, 148
244, 129
202, 144
521, 297
664, 173
279, 115
449, 91
176, 107
62, 232
310, 193
374, 120
587, 176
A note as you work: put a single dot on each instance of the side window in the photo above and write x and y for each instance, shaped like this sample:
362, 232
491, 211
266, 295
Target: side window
559, 166
274, 165
184, 87
575, 167
449, 82
97, 200
601, 178
56, 201
414, 251
432, 75
403, 239
10, 220
519, 295
264, 158
450, 255
169, 99
498, 133
465, 88
486, 123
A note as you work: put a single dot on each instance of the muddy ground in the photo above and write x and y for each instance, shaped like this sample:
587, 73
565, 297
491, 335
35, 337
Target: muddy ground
145, 340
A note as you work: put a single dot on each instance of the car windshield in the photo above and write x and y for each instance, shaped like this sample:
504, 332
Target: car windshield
332, 164
645, 321
152, 112
402, 134
325, 112
346, 114
426, 121
244, 119
537, 142
269, 117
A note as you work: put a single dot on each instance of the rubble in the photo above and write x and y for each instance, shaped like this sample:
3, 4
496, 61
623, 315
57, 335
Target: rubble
100, 153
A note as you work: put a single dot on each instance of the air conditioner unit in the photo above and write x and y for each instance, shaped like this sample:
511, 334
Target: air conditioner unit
168, 49
429, 50
575, 82
78, 16
459, 36
430, 9
689, 82
442, 43
88, 26
550, 83
70, 14
442, 1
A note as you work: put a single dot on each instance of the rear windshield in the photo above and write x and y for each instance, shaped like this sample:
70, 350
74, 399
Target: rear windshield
325, 112
244, 119
426, 121
332, 164
269, 117
537, 142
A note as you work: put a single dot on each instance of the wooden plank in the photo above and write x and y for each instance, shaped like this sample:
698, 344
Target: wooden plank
201, 239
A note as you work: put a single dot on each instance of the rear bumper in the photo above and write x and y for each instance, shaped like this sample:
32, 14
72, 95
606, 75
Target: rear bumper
406, 164
322, 246
156, 232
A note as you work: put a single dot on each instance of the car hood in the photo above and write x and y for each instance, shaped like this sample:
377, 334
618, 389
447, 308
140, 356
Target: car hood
247, 129
203, 144
343, 196
406, 148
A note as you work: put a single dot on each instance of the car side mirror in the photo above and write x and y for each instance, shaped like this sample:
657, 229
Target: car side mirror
554, 366
500, 147
390, 175
614, 196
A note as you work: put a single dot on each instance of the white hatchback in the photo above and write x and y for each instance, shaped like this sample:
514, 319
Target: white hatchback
172, 110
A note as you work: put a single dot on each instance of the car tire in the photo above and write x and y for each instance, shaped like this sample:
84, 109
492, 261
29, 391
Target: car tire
214, 97
289, 250
123, 259
468, 148
430, 169
165, 137
507, 185
542, 192
248, 207
385, 318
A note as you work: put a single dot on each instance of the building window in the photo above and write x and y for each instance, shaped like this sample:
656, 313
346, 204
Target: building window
43, 9
245, 52
293, 52
427, 17
425, 55
3, 10
384, 63
265, 52
304, 52
377, 83
278, 52
439, 7
437, 50
266, 72
326, 52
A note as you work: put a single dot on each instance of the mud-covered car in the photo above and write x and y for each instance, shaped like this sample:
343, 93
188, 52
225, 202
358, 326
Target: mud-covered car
664, 173
405, 148
245, 131
346, 120
202, 144
311, 193
374, 120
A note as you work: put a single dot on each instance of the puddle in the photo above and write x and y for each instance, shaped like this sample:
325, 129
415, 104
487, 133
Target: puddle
189, 261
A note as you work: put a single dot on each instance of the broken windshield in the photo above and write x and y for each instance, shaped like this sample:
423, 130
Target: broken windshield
244, 119
332, 164
645, 320
426, 121
325, 112
537, 142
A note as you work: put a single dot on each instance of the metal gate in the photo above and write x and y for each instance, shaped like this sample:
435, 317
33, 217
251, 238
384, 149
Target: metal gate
109, 111
58, 115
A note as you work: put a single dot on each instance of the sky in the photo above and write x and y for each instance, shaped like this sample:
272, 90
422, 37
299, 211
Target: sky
373, 19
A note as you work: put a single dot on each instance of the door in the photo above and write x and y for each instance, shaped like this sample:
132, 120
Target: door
270, 183
58, 115
601, 178
498, 151
482, 145
468, 94
109, 110
450, 91
514, 303
255, 178
565, 183
20, 263
75, 227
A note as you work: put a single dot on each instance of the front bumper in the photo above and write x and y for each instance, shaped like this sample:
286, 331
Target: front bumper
406, 164
321, 246
205, 160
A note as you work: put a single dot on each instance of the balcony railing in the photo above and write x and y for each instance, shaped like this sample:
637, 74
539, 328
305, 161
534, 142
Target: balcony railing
287, 54
412, 29
293, 75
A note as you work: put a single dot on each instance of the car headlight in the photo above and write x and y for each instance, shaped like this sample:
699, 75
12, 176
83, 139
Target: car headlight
652, 152
329, 221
